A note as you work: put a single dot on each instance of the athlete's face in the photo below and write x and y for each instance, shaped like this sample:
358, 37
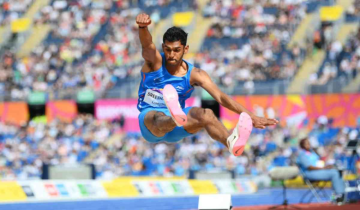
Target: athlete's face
174, 52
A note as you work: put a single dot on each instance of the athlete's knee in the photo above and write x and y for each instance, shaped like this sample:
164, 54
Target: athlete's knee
202, 116
208, 116
209, 112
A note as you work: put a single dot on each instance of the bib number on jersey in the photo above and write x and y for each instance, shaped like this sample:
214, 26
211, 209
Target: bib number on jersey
154, 99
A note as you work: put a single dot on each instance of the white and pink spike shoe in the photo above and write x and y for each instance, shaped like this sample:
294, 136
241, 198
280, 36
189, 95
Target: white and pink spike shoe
171, 99
237, 140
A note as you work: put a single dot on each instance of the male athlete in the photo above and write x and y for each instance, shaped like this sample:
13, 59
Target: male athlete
167, 81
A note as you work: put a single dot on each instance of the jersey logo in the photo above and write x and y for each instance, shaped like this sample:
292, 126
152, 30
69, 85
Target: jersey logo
179, 88
158, 80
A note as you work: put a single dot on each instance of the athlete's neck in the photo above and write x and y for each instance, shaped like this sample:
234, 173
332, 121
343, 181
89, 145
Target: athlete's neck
175, 69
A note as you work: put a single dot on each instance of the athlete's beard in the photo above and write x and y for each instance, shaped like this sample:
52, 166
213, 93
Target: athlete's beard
177, 61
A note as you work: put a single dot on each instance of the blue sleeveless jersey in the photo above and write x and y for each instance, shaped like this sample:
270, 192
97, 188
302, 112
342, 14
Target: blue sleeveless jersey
152, 84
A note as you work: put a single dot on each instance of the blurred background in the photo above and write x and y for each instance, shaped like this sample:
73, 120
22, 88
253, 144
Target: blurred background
69, 76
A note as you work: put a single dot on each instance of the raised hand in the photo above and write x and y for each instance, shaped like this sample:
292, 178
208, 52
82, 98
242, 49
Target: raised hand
143, 20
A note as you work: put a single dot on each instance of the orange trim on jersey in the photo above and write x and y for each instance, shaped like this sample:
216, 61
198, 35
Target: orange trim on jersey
143, 79
188, 91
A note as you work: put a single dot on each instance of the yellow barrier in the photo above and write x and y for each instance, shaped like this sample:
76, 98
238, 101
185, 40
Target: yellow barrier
331, 13
299, 181
120, 188
203, 187
20, 25
147, 178
182, 19
11, 191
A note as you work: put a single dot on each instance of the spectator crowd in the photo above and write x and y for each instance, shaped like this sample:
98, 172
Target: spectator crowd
264, 28
13, 9
342, 61
85, 140
94, 44
24, 149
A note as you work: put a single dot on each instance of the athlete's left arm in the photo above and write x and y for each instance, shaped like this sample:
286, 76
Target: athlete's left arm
201, 78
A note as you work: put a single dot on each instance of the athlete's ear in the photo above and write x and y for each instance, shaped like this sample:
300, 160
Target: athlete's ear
186, 49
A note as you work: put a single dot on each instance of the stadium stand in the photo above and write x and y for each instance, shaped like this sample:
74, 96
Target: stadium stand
340, 65
255, 36
12, 10
334, 37
93, 44
259, 55
117, 153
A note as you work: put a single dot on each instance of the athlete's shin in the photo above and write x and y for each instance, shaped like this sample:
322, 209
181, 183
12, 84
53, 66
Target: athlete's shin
217, 131
213, 126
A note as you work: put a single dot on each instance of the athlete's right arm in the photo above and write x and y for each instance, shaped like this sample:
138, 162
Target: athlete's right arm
151, 55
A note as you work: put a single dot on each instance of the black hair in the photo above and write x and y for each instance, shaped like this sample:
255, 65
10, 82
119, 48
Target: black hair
302, 143
174, 34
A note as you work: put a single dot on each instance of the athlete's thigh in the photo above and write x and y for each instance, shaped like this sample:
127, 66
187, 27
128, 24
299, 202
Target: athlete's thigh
150, 116
189, 129
148, 130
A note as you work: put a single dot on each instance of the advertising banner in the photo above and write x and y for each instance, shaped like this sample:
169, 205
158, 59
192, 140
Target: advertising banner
235, 186
51, 190
45, 190
158, 188
203, 187
14, 112
11, 191
297, 109
38, 190
113, 108
123, 188
63, 110
34, 190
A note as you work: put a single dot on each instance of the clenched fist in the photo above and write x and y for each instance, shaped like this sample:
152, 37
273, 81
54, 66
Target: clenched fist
143, 20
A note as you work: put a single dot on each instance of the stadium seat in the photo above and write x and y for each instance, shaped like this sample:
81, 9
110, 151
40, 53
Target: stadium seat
316, 190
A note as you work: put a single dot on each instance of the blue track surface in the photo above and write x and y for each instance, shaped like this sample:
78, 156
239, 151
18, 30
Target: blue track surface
263, 197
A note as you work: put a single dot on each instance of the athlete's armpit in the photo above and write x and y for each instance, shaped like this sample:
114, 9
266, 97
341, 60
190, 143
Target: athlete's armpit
201, 78
196, 77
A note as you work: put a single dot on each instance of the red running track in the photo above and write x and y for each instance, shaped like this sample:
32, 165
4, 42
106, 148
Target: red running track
323, 206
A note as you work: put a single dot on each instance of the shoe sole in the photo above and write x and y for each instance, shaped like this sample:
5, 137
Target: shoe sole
244, 128
171, 99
